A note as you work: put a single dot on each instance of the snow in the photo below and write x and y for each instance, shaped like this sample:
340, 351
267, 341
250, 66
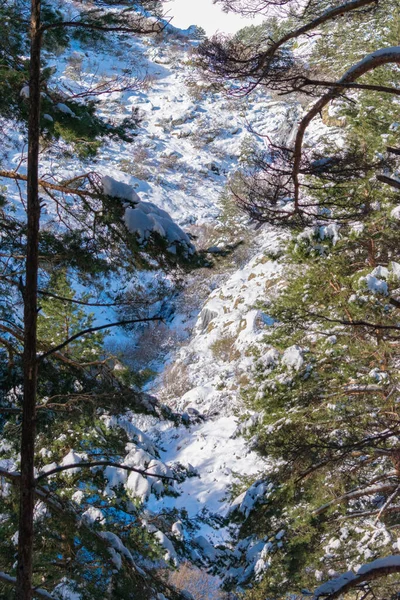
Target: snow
395, 269
65, 109
146, 219
293, 358
395, 213
334, 585
114, 477
330, 231
166, 543
117, 544
177, 530
374, 284
93, 515
381, 272
209, 552
72, 458
119, 189
49, 467
24, 93
138, 486
64, 591
380, 563
247, 500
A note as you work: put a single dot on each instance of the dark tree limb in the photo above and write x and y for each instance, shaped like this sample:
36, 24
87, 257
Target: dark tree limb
82, 302
102, 463
394, 183
353, 86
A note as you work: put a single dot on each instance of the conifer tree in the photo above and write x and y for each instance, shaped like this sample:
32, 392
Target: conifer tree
325, 397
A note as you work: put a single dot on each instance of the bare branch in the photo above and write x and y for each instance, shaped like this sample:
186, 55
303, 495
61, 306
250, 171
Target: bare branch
82, 302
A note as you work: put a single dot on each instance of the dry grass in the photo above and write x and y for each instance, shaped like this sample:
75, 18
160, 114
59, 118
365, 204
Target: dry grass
199, 583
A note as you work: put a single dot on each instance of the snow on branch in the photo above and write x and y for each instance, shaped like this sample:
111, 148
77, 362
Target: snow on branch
107, 539
102, 463
376, 569
145, 218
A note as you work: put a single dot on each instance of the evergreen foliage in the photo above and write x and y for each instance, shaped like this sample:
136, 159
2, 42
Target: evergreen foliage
323, 404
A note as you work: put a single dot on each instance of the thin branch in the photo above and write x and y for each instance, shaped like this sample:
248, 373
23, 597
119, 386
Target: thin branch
354, 495
82, 302
94, 329
47, 185
13, 580
102, 463
156, 27
58, 507
354, 323
370, 62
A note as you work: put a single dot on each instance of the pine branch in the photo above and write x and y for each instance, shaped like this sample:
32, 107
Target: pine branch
358, 493
67, 512
372, 61
358, 323
328, 15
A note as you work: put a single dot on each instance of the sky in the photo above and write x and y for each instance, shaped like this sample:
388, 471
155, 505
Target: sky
205, 14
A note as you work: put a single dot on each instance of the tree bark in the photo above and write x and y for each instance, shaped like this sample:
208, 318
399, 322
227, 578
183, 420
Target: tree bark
27, 486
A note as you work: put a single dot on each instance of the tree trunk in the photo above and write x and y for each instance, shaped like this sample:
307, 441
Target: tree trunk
27, 482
